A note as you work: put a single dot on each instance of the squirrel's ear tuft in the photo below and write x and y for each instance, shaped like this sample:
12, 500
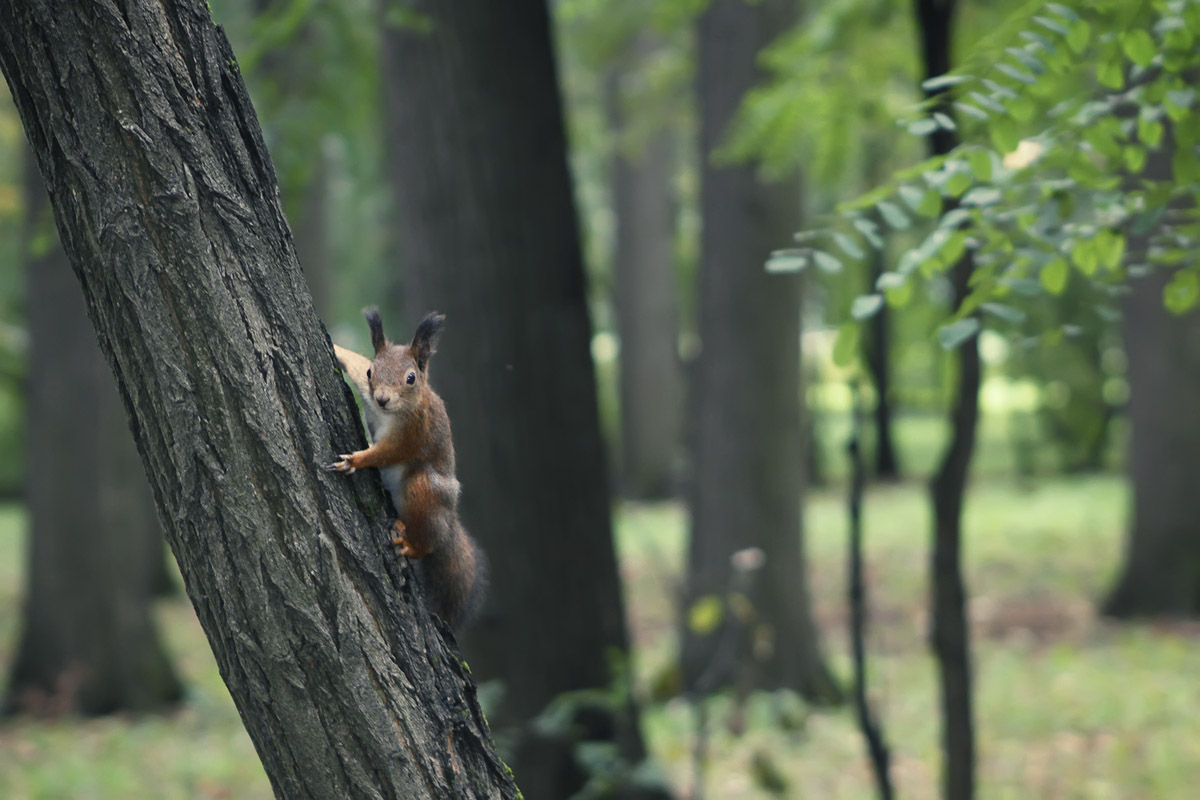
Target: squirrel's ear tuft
375, 323
425, 339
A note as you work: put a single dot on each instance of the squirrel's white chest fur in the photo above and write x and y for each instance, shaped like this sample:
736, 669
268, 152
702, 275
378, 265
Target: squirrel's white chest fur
393, 476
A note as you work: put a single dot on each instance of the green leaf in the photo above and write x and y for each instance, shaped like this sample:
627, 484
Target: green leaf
1085, 258
1006, 313
1022, 109
848, 245
1016, 74
1066, 12
1054, 276
980, 162
784, 261
845, 346
922, 127
1138, 46
1134, 157
1185, 167
943, 120
1004, 134
1181, 292
954, 247
892, 214
958, 183
1179, 101
1110, 248
1111, 74
942, 82
1150, 131
952, 335
866, 306
705, 614
826, 262
899, 296
930, 205
1051, 24
889, 280
981, 196
971, 111
869, 230
1079, 35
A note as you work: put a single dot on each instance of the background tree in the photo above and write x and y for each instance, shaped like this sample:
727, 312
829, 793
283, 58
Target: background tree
89, 644
166, 202
748, 449
646, 293
1162, 348
487, 232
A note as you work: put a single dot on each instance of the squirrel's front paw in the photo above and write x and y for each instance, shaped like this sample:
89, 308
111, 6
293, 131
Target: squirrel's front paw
342, 466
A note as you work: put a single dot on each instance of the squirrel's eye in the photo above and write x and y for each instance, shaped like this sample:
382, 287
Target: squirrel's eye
368, 373
411, 379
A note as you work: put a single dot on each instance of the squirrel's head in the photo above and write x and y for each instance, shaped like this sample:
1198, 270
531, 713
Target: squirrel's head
399, 373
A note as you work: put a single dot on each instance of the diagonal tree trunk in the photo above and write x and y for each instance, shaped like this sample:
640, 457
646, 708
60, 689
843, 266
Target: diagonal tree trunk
748, 450
88, 642
166, 203
487, 231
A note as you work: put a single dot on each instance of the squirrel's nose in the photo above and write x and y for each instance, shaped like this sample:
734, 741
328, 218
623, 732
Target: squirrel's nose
381, 400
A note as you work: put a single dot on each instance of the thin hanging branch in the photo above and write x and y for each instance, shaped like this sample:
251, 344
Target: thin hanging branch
877, 747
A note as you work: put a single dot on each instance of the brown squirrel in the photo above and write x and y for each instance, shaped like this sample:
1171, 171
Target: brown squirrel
415, 456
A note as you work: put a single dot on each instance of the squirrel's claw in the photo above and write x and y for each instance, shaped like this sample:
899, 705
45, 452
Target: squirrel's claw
341, 466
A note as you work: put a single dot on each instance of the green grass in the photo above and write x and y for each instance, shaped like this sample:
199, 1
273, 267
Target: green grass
1068, 706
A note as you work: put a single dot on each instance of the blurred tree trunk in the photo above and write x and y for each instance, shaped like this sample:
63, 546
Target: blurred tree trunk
166, 203
749, 446
950, 634
646, 294
487, 229
281, 77
89, 644
1160, 574
879, 341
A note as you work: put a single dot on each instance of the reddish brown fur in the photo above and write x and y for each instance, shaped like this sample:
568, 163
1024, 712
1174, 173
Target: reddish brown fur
416, 436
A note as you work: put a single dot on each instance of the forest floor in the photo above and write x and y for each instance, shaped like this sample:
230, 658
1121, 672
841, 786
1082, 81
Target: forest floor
1068, 706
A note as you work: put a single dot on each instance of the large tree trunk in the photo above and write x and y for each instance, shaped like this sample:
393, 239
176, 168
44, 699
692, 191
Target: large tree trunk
950, 636
1161, 570
646, 295
165, 200
1160, 575
89, 644
487, 230
749, 447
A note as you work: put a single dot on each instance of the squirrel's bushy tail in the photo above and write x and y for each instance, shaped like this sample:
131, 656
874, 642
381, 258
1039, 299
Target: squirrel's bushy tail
456, 577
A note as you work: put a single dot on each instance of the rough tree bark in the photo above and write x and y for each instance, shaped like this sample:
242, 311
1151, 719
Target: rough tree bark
950, 634
645, 295
88, 643
487, 231
749, 446
166, 203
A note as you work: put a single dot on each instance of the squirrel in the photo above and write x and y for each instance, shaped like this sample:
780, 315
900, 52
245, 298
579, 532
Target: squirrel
415, 456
